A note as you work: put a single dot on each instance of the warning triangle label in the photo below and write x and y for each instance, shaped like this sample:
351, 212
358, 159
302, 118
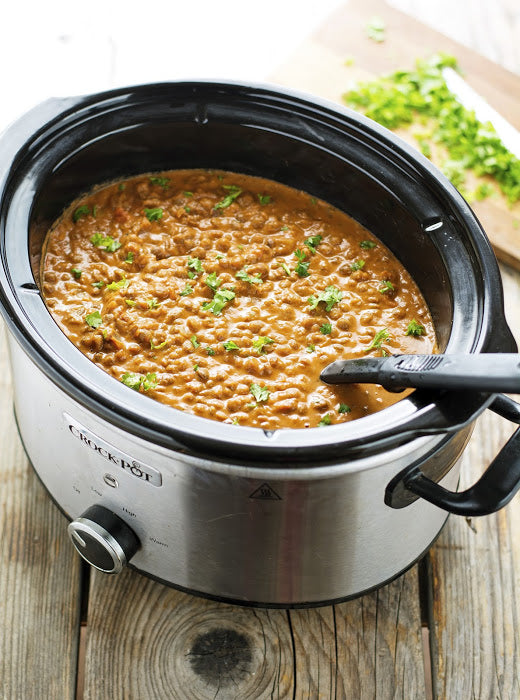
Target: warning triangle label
265, 493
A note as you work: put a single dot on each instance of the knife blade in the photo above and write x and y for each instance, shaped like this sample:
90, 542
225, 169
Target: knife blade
469, 98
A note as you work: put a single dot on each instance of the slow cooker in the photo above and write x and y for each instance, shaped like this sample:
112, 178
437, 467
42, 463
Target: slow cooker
271, 518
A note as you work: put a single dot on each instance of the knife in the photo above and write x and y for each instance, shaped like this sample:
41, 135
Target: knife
470, 99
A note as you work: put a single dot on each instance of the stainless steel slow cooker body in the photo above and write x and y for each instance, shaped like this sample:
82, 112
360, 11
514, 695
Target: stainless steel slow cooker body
277, 518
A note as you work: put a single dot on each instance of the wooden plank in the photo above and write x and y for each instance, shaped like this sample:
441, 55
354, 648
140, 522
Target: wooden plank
319, 67
476, 574
475, 594
367, 648
39, 575
146, 640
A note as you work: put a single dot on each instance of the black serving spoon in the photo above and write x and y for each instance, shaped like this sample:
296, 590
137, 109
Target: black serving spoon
486, 372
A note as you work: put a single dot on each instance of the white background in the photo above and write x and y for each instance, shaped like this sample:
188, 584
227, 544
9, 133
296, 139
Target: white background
62, 47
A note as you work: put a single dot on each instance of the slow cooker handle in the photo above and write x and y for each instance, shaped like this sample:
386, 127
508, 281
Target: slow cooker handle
495, 488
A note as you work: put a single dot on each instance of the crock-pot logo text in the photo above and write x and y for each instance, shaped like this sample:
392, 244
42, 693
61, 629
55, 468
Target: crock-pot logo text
114, 456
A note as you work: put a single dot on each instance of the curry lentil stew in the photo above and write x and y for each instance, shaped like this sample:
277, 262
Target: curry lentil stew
225, 295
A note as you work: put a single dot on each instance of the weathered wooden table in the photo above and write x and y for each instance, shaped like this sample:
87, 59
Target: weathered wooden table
449, 628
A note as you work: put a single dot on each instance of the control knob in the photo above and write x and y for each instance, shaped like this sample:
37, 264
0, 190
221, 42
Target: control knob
103, 539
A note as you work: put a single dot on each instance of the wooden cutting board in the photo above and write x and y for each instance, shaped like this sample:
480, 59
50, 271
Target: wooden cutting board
319, 67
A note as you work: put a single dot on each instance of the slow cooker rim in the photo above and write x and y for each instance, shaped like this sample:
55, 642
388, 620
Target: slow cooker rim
135, 414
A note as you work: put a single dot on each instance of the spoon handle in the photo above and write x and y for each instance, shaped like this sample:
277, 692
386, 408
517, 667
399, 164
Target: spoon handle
493, 372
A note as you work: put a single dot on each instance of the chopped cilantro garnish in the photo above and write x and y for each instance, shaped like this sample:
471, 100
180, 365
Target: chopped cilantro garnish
129, 257
94, 319
284, 228
242, 275
154, 214
311, 348
132, 380
285, 268
326, 328
95, 210
230, 345
378, 340
234, 192
314, 200
188, 194
261, 393
210, 351
150, 381
260, 342
212, 281
188, 289
136, 381
219, 256
115, 286
80, 212
396, 100
194, 341
157, 347
326, 420
302, 268
187, 210
163, 182
264, 198
386, 286
367, 245
313, 242
343, 408
76, 272
130, 302
415, 328
152, 303
195, 267
375, 29
221, 298
331, 295
121, 186
357, 265
105, 242
99, 284
483, 191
